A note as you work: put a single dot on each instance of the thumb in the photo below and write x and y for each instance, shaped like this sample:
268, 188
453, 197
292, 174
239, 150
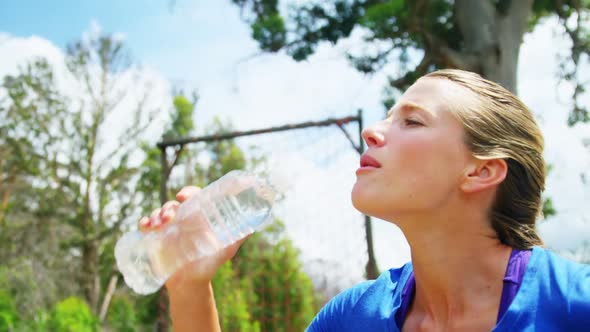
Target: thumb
231, 250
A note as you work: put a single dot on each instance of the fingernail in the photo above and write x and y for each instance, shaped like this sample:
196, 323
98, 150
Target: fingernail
144, 221
155, 213
169, 214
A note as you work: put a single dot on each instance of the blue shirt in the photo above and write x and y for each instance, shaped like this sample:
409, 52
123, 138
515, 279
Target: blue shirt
554, 296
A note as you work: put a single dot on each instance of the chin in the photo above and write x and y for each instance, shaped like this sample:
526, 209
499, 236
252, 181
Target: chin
362, 201
371, 204
357, 196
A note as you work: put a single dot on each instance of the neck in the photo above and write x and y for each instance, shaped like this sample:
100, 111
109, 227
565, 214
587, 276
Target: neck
459, 265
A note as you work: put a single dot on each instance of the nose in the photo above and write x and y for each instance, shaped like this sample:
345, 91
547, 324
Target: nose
373, 136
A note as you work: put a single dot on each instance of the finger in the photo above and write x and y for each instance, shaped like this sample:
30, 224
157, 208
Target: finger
169, 211
187, 192
144, 224
155, 219
167, 206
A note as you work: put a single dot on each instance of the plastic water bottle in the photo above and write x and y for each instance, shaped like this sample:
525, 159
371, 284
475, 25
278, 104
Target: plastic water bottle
226, 211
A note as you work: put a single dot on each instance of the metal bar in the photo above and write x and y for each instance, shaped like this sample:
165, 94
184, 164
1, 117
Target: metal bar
348, 137
216, 137
162, 316
177, 154
371, 267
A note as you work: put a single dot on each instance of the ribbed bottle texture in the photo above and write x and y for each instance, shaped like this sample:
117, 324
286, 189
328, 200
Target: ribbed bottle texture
224, 212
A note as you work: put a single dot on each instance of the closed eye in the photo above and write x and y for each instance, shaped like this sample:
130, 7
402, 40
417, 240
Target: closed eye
412, 123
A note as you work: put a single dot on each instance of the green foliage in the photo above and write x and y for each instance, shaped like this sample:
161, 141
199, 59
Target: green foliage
545, 8
8, 314
146, 309
121, 316
182, 118
24, 281
149, 179
58, 177
12, 320
40, 322
231, 302
283, 298
150, 170
548, 208
73, 315
264, 287
225, 156
270, 32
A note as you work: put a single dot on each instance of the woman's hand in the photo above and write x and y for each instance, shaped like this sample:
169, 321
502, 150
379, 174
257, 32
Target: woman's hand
200, 272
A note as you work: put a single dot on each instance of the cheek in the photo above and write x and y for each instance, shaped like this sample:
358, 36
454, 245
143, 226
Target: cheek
416, 153
426, 163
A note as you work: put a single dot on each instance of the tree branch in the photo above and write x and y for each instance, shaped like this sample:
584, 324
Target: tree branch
404, 81
108, 296
449, 58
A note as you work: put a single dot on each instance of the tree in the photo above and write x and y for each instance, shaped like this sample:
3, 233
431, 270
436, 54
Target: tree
282, 296
73, 188
481, 36
181, 125
231, 300
28, 219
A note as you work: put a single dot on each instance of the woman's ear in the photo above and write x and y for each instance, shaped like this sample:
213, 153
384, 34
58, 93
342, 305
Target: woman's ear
484, 174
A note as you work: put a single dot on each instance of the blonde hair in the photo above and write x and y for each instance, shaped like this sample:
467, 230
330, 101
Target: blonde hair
499, 125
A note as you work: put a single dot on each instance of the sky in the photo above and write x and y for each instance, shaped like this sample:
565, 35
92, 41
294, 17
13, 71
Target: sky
205, 46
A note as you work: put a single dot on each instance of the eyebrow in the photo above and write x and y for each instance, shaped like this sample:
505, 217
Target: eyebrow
408, 105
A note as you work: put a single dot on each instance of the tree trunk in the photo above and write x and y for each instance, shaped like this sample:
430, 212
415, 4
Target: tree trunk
493, 36
90, 273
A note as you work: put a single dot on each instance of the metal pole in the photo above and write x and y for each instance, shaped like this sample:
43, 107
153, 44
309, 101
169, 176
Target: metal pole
217, 137
371, 267
162, 320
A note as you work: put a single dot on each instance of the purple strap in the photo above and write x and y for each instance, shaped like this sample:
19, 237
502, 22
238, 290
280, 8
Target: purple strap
513, 278
517, 264
407, 297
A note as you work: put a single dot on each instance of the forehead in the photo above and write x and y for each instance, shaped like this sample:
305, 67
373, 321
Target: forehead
435, 95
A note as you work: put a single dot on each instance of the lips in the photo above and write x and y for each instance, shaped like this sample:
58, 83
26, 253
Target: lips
368, 161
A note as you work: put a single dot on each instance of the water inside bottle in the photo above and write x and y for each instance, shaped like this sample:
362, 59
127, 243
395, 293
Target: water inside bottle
233, 217
146, 261
136, 265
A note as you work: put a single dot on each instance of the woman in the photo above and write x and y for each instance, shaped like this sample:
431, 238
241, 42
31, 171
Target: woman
458, 166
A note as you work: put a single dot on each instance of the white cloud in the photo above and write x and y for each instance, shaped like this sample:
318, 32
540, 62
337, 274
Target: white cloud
4, 37
15, 51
